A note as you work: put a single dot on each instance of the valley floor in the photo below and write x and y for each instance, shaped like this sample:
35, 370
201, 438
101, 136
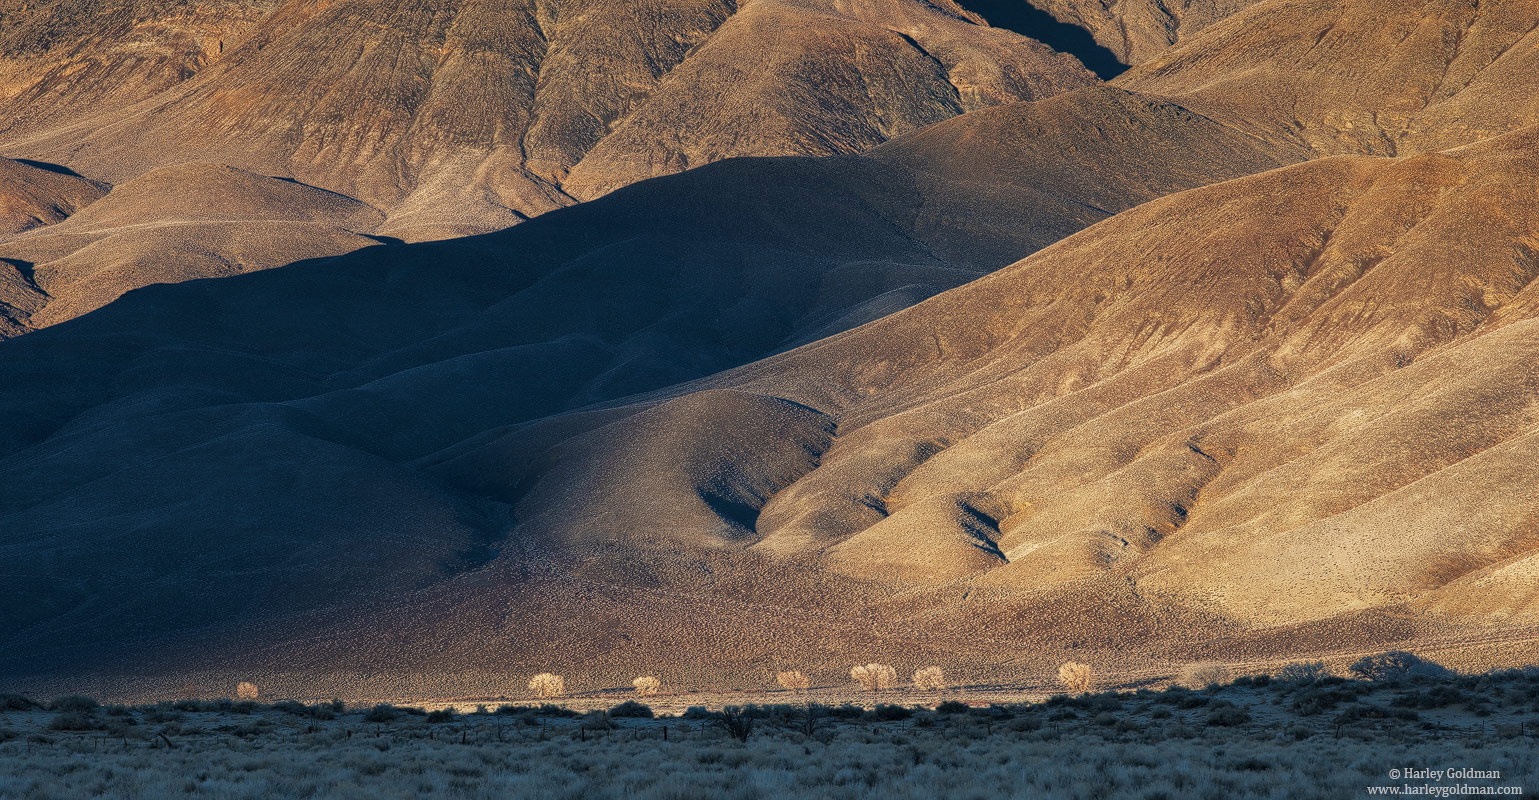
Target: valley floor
1329, 738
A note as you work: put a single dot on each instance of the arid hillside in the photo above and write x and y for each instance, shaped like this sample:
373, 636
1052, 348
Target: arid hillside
954, 200
1360, 76
463, 116
1232, 358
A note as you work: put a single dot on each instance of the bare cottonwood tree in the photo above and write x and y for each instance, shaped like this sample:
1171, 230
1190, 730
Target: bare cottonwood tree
547, 685
875, 677
929, 678
793, 679
1076, 677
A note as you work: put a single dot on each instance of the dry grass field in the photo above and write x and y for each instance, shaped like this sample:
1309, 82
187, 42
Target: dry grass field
1298, 735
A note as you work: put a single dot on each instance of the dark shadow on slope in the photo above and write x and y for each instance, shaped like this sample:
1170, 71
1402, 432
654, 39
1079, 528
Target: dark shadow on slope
1027, 20
57, 169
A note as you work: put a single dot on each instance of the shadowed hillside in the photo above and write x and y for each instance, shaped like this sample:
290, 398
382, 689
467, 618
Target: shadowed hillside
340, 373
1220, 401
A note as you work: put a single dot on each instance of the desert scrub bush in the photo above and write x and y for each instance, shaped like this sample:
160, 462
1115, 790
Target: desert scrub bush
546, 684
736, 721
1321, 699
1225, 714
793, 680
884, 713
16, 702
953, 707
1395, 665
73, 702
846, 711
74, 721
874, 677
382, 712
1204, 674
633, 709
597, 721
246, 690
1076, 677
647, 685
1303, 672
929, 678
441, 715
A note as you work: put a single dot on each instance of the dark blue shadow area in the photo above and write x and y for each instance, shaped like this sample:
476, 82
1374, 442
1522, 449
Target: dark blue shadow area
1027, 20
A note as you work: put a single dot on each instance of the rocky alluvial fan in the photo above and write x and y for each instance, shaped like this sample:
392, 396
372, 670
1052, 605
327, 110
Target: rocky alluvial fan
1258, 382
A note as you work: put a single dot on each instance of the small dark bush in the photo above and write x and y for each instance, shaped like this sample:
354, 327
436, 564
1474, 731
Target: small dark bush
736, 721
597, 721
1105, 718
846, 711
1302, 672
73, 702
697, 712
383, 712
1025, 724
1395, 665
1435, 697
441, 715
633, 709
74, 721
953, 707
292, 707
1320, 699
1105, 702
889, 713
1225, 714
1160, 713
1191, 700
16, 702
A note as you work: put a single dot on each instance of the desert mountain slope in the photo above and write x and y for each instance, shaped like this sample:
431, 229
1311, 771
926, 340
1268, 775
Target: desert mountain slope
64, 59
179, 223
368, 362
1283, 414
468, 115
1360, 76
32, 195
974, 193
1258, 400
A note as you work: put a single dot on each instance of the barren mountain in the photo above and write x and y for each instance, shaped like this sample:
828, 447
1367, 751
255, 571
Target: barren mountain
782, 411
32, 195
465, 116
973, 193
332, 371
1360, 76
